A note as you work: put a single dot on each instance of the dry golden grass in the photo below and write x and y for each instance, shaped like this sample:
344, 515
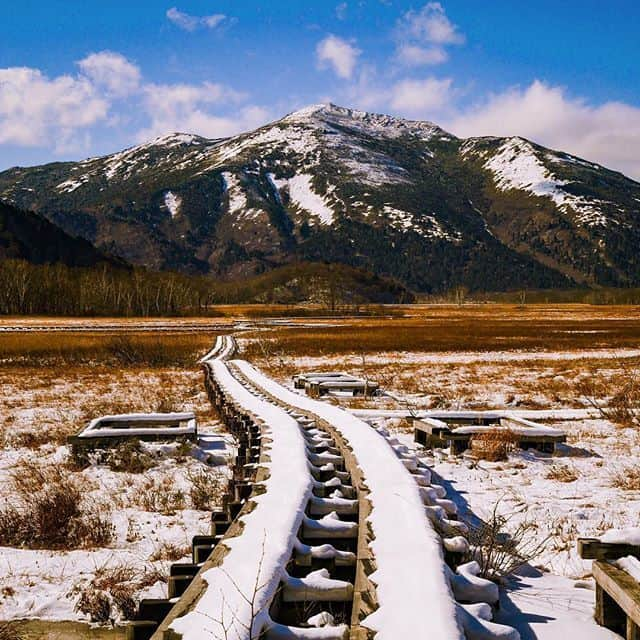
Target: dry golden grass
562, 473
494, 445
45, 405
134, 349
627, 478
471, 328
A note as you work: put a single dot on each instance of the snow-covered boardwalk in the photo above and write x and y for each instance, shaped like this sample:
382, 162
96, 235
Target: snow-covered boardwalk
342, 535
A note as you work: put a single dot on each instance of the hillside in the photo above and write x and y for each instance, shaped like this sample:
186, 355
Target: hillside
27, 236
399, 198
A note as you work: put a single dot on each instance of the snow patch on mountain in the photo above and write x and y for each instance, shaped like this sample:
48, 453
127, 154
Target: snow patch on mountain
428, 226
235, 194
516, 166
72, 184
301, 193
277, 184
370, 123
173, 203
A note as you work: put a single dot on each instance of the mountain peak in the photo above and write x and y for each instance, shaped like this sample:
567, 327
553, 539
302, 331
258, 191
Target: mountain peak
378, 123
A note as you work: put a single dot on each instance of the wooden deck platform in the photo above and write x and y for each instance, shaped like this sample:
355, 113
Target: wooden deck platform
457, 434
318, 384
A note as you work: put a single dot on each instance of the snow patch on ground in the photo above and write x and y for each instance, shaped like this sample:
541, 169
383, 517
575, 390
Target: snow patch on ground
72, 184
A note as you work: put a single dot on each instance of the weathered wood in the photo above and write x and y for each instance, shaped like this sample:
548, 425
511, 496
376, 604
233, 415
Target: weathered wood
594, 549
617, 595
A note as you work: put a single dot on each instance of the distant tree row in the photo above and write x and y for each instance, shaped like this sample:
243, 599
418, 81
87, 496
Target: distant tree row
105, 290
55, 289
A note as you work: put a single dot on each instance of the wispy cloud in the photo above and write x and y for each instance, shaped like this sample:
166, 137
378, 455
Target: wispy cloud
423, 36
189, 22
341, 11
337, 54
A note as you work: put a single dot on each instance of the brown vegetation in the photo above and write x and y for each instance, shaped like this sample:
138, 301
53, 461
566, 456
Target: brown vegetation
494, 445
501, 546
111, 593
207, 488
130, 350
562, 473
49, 511
627, 478
10, 631
473, 328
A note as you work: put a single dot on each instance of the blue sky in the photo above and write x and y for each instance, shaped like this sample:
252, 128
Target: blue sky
86, 78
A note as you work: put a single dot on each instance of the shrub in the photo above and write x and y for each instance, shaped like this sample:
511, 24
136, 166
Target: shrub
169, 551
494, 445
500, 547
623, 393
562, 473
129, 457
159, 495
207, 488
111, 595
50, 512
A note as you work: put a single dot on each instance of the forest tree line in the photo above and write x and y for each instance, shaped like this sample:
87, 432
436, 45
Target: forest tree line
105, 290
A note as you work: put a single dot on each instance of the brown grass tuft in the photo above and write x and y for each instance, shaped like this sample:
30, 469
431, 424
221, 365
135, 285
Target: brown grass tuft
111, 595
10, 631
627, 478
50, 512
494, 445
562, 473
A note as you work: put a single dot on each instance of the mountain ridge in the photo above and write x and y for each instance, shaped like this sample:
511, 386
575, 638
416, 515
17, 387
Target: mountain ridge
398, 197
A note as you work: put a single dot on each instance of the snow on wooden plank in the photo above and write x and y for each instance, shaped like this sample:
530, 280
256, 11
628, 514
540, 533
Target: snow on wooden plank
406, 545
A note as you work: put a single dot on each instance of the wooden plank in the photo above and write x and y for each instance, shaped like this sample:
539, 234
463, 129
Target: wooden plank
620, 586
594, 549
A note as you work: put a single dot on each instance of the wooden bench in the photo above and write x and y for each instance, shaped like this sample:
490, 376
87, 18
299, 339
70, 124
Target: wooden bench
617, 593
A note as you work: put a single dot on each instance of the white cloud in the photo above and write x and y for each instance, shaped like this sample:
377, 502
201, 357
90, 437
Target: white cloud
608, 133
414, 55
419, 98
431, 25
337, 54
188, 108
39, 111
191, 23
112, 71
421, 36
341, 11
108, 94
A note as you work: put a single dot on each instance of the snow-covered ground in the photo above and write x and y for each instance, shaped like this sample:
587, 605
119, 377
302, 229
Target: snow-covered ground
567, 495
153, 512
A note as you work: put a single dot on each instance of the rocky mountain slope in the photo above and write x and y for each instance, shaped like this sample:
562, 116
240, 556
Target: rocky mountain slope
27, 236
400, 198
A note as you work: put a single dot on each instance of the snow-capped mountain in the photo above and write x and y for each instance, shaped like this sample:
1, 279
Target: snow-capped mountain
401, 198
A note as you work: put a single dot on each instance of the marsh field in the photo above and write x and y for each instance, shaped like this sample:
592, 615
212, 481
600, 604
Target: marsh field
570, 366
